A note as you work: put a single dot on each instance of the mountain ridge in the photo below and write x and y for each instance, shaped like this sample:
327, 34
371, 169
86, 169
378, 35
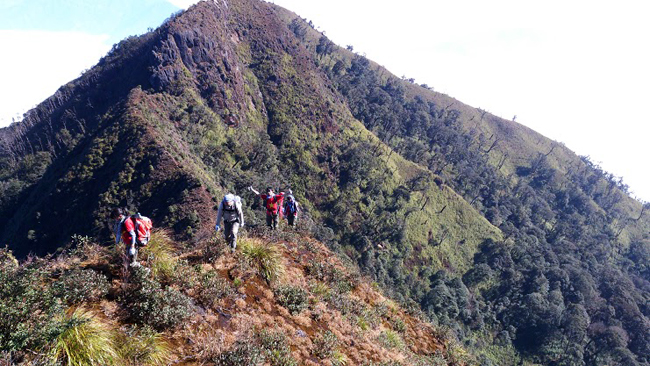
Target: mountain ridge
472, 217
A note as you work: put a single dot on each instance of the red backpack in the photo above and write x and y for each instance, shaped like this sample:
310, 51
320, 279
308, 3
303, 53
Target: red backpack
143, 226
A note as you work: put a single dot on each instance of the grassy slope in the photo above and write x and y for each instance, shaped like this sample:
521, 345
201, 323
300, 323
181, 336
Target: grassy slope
519, 144
425, 219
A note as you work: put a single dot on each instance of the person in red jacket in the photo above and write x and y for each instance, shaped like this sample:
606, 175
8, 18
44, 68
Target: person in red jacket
125, 231
134, 231
273, 204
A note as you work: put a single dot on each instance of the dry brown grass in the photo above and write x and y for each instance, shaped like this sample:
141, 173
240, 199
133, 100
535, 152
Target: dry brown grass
252, 306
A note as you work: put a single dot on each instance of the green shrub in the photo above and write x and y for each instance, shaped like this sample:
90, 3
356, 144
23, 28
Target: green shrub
319, 289
325, 345
30, 315
398, 325
7, 259
335, 277
212, 288
339, 359
212, 249
81, 285
276, 348
368, 319
148, 304
183, 275
241, 354
345, 304
87, 341
291, 297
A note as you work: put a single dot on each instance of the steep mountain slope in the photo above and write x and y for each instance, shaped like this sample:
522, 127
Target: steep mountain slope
565, 220
526, 251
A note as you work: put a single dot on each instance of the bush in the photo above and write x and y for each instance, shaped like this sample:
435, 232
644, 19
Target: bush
276, 347
319, 289
242, 354
81, 285
212, 249
339, 359
345, 304
212, 288
183, 275
30, 315
325, 345
328, 273
399, 325
148, 304
87, 341
369, 319
291, 297
86, 249
265, 259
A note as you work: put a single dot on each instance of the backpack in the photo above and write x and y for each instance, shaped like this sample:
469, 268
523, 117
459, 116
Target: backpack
237, 200
231, 215
291, 208
143, 226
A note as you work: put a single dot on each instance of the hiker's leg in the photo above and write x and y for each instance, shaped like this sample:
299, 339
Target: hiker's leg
291, 220
129, 254
133, 256
227, 232
234, 231
269, 220
275, 222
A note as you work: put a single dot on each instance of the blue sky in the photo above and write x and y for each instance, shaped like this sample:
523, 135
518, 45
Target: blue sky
46, 43
575, 71
115, 19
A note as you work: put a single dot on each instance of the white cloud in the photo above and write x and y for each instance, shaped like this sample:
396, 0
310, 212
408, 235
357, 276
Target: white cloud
36, 63
574, 71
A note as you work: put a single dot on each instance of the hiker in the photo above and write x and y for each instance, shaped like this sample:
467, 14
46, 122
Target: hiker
290, 210
273, 204
233, 218
134, 231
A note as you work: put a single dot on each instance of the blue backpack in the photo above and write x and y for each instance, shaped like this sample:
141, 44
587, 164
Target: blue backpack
291, 208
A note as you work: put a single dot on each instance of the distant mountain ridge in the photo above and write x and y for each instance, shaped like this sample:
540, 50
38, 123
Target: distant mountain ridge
483, 223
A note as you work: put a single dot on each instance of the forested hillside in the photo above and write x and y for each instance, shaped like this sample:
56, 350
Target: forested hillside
527, 252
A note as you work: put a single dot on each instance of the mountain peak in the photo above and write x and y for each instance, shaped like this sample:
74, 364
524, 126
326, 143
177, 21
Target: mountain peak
502, 235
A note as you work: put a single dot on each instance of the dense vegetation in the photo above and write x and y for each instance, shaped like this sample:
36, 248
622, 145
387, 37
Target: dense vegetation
202, 305
526, 252
562, 286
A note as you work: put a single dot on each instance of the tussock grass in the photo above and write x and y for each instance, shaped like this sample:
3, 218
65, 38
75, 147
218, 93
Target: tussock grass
320, 289
339, 359
160, 254
391, 339
143, 346
264, 258
88, 341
